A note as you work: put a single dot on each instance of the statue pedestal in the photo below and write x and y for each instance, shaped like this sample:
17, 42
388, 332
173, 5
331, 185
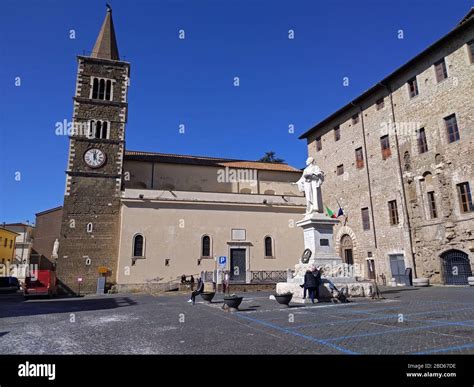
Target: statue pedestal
318, 237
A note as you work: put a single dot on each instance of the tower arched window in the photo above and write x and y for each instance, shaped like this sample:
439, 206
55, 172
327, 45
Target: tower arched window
95, 88
138, 246
206, 246
99, 129
102, 89
268, 246
108, 89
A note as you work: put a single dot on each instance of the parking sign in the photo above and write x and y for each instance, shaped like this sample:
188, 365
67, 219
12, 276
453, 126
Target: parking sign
222, 260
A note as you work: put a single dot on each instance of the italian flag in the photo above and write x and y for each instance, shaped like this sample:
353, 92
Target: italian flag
330, 213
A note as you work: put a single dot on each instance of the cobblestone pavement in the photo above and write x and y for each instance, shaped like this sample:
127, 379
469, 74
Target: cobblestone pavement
408, 321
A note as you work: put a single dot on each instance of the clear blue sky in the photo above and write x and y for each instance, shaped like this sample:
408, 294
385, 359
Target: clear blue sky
190, 81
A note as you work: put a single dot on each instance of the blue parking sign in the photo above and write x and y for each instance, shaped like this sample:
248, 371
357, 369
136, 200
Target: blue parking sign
222, 260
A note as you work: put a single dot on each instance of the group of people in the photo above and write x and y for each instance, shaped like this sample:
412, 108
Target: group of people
200, 286
312, 281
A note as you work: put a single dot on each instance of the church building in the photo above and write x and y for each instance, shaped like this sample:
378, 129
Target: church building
142, 219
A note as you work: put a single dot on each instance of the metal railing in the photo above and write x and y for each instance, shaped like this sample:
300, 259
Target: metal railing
268, 277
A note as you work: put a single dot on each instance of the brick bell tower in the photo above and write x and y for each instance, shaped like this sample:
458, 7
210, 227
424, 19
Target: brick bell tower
91, 213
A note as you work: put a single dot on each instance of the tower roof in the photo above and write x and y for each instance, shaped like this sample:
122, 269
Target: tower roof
106, 45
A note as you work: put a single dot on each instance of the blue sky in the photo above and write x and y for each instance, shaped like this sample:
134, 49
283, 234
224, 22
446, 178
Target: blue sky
190, 81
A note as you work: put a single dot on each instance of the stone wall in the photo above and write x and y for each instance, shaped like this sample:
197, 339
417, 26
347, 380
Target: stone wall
380, 180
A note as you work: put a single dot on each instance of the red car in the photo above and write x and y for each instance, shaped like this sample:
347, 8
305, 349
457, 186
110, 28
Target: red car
43, 283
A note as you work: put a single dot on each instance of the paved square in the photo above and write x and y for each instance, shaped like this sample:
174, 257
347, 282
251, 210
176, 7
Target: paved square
408, 321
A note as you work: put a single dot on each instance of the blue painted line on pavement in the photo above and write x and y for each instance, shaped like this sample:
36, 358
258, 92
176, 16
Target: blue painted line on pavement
297, 334
381, 317
437, 325
387, 332
384, 317
445, 349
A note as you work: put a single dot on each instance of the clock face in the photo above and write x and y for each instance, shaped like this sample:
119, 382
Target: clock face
94, 158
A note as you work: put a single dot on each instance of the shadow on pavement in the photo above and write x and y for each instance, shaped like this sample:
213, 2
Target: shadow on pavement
63, 306
398, 290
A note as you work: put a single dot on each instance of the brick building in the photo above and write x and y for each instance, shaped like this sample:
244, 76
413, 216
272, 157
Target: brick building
399, 160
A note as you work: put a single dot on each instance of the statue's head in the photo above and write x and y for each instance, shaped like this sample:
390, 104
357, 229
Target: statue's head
309, 161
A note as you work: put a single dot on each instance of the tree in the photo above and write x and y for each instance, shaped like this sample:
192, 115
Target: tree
270, 158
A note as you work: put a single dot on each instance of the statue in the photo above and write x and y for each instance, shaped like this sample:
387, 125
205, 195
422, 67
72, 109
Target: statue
55, 248
310, 183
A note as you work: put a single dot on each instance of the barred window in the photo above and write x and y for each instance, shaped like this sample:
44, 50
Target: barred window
268, 246
138, 245
393, 212
206, 246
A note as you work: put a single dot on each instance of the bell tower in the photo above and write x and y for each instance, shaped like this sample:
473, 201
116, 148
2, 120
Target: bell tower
91, 213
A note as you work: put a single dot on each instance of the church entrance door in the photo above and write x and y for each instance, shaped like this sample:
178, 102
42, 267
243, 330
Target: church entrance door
237, 265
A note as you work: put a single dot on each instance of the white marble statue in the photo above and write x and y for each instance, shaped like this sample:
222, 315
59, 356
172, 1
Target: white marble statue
55, 248
310, 183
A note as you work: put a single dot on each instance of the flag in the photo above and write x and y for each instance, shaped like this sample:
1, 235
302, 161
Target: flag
340, 212
330, 213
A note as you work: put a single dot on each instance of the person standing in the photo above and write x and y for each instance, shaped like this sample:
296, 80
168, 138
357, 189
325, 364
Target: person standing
310, 284
317, 276
192, 283
226, 283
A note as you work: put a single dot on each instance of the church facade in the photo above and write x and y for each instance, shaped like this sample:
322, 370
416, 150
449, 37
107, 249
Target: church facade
143, 219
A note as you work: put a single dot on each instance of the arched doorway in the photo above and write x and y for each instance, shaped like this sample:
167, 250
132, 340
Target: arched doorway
455, 267
347, 249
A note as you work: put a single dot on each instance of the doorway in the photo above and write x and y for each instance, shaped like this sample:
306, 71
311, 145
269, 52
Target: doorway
371, 269
456, 267
397, 267
347, 249
238, 265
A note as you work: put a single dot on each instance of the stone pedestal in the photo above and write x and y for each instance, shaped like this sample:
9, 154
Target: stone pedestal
318, 237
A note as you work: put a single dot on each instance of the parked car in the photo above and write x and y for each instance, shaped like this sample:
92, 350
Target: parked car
9, 285
43, 283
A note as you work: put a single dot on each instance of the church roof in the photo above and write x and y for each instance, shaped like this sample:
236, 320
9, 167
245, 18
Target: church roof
106, 44
207, 161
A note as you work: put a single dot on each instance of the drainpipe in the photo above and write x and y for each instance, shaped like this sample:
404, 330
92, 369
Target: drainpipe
368, 172
400, 171
152, 173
